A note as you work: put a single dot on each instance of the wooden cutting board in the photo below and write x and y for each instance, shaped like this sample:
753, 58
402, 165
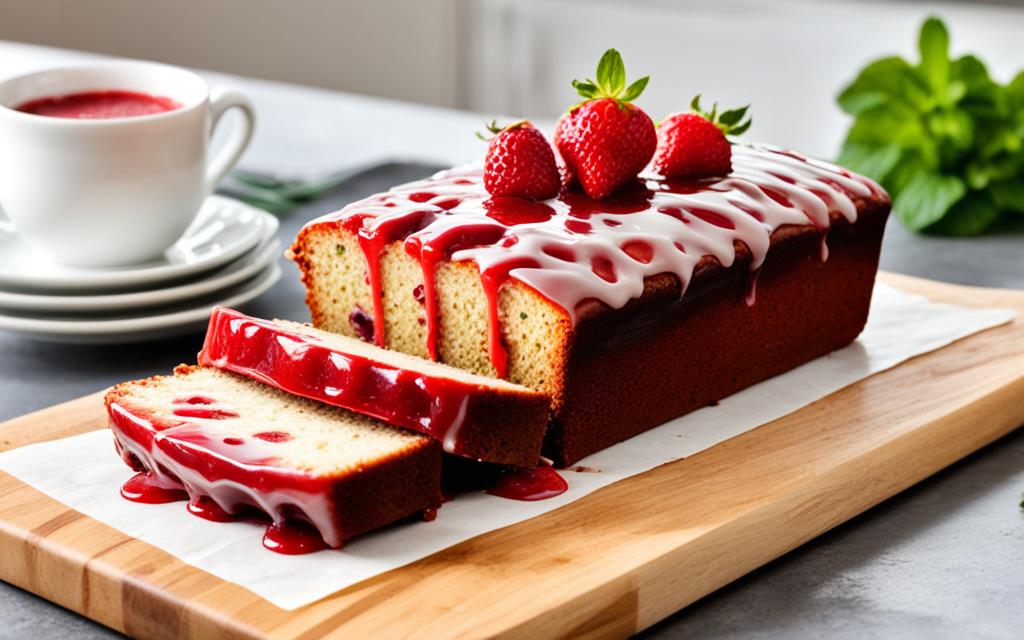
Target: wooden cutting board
610, 564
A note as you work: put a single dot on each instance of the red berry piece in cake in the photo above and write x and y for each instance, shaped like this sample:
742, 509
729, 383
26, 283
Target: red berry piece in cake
520, 163
694, 145
606, 140
362, 324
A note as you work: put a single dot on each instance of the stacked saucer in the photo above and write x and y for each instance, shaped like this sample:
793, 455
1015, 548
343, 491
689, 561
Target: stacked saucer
227, 257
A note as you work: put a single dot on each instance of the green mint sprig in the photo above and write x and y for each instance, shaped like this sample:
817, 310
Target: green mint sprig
279, 195
944, 138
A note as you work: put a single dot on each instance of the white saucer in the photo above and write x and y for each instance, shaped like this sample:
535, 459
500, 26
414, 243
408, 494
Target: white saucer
224, 230
228, 276
176, 321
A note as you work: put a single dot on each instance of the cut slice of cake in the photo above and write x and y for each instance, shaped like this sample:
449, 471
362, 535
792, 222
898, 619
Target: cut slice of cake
627, 311
473, 416
241, 444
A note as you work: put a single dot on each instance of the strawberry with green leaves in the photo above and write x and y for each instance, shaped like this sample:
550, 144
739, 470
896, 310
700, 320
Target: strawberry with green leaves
520, 163
606, 140
693, 145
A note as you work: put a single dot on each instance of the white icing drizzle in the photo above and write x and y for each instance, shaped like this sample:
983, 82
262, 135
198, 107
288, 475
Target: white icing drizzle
275, 501
572, 255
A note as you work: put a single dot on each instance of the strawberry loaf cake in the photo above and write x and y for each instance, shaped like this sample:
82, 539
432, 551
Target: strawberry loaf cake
626, 311
553, 301
630, 273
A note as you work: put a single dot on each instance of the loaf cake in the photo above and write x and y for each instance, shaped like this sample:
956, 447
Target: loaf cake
243, 445
626, 311
471, 415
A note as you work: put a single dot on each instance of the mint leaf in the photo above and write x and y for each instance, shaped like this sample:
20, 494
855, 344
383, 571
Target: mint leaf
897, 124
933, 43
982, 96
885, 82
1015, 91
926, 198
874, 160
911, 164
943, 137
955, 127
970, 216
1008, 194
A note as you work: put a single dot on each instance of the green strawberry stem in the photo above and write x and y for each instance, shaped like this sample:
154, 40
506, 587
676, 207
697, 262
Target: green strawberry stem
611, 82
729, 122
495, 128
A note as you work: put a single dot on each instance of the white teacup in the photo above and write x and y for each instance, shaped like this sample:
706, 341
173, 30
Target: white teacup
112, 191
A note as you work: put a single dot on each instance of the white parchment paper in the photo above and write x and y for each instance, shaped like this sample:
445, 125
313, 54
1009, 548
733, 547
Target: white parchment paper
84, 473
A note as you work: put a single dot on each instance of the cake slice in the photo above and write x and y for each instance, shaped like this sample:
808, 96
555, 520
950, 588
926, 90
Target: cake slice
627, 311
241, 444
473, 416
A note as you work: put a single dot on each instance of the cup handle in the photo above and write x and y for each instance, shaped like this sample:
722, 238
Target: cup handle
220, 101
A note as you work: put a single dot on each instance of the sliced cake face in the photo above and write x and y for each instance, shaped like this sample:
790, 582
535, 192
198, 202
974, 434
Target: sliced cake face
241, 443
470, 415
274, 429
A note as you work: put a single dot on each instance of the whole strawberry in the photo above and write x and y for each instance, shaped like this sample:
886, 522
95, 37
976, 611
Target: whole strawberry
520, 163
606, 140
693, 145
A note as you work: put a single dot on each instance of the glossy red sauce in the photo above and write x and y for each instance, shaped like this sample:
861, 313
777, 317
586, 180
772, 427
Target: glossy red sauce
293, 538
98, 105
303, 366
207, 457
148, 488
288, 537
539, 483
207, 509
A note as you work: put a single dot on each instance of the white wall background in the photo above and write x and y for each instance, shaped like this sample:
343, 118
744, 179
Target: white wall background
787, 57
401, 49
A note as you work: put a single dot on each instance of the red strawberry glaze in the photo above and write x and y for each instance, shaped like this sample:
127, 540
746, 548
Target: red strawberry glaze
207, 509
292, 539
224, 478
149, 488
301, 364
573, 248
538, 483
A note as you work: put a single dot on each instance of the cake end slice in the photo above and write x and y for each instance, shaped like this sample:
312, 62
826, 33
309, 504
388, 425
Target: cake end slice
244, 445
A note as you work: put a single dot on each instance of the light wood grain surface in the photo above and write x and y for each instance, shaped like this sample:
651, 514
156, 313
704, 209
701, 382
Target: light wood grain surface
608, 565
